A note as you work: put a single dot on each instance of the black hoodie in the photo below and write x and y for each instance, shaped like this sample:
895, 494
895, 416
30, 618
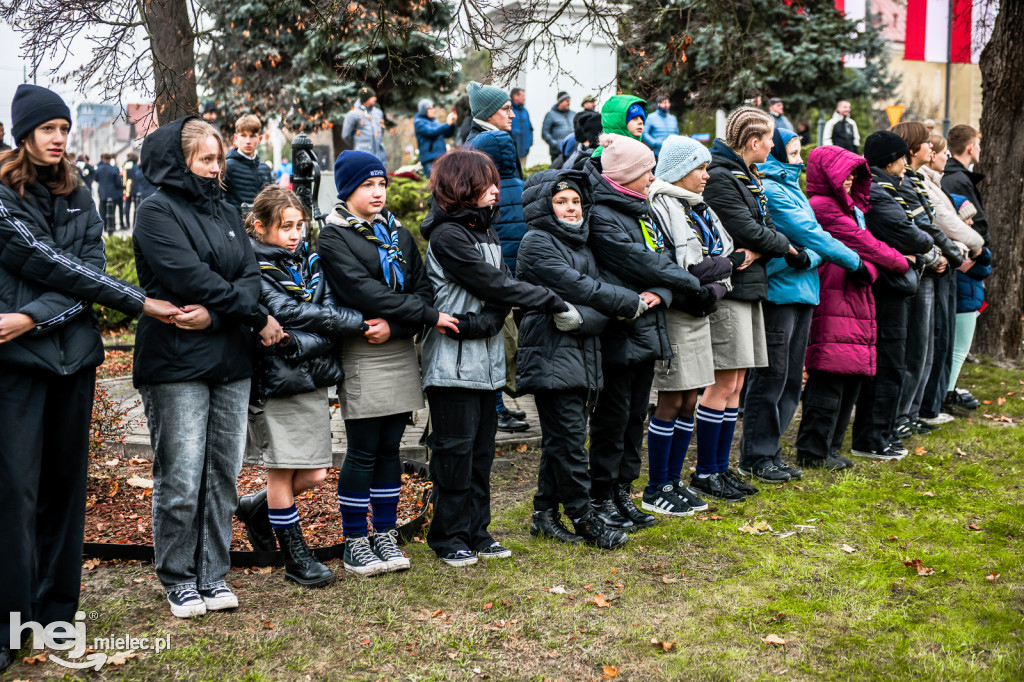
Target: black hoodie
191, 248
555, 255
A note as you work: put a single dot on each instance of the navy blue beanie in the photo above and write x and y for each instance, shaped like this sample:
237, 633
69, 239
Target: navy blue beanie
352, 168
636, 109
34, 106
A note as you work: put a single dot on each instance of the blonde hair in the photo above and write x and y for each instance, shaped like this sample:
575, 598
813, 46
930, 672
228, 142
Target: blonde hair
938, 142
745, 123
268, 207
250, 123
194, 133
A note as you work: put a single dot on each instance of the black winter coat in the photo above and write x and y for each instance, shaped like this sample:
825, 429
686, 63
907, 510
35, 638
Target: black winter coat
617, 241
555, 255
741, 216
956, 179
108, 182
308, 361
191, 248
925, 219
244, 178
352, 267
51, 269
888, 220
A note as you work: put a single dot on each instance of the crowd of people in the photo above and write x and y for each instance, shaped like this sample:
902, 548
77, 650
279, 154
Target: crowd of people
707, 275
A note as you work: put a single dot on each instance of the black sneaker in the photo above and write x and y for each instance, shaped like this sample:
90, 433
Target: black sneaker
608, 512
506, 422
716, 487
903, 428
462, 557
593, 532
494, 551
385, 546
830, 463
885, 454
665, 501
794, 473
733, 479
186, 602
924, 427
548, 523
896, 445
627, 507
360, 558
690, 497
766, 473
219, 599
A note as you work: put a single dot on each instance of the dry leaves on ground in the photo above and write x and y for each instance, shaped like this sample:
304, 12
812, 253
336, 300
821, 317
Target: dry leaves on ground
609, 671
992, 576
774, 640
917, 566
599, 601
756, 528
665, 646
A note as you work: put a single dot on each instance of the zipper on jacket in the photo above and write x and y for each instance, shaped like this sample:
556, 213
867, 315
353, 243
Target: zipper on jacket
458, 362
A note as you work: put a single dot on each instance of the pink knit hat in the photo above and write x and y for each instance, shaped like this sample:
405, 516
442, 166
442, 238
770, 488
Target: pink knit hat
624, 159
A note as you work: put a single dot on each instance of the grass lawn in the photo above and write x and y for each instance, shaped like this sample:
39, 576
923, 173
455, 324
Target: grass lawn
828, 578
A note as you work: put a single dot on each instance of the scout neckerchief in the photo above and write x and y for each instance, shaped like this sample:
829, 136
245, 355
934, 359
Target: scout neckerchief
290, 279
894, 193
917, 181
711, 241
383, 235
754, 185
652, 235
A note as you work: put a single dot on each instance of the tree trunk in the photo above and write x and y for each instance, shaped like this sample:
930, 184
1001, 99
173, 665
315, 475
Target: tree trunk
1002, 161
172, 41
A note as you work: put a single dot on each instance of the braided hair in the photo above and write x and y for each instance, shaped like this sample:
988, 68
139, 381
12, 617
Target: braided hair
745, 123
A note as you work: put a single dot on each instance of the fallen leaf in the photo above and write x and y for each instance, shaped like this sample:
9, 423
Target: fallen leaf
848, 549
919, 450
268, 625
139, 482
917, 566
589, 588
558, 589
928, 493
974, 527
488, 605
668, 581
615, 570
992, 576
599, 601
112, 462
521, 448
798, 487
90, 564
264, 570
1000, 401
778, 617
435, 614
506, 602
986, 402
756, 528
32, 660
716, 518
122, 657
609, 671
960, 452
774, 639
893, 537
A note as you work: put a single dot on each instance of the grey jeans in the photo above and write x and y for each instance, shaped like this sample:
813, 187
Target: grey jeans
920, 349
198, 432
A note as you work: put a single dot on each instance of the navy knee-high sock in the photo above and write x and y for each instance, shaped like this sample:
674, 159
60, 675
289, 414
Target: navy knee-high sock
681, 437
659, 442
708, 426
725, 437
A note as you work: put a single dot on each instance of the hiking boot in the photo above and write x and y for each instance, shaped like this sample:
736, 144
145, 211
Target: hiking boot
516, 414
591, 531
885, 454
458, 558
219, 598
766, 473
360, 557
715, 486
690, 497
548, 523
609, 515
252, 511
665, 501
733, 479
624, 501
186, 602
494, 551
300, 566
506, 422
385, 546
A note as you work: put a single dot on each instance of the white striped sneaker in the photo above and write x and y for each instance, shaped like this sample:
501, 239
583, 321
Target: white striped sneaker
665, 501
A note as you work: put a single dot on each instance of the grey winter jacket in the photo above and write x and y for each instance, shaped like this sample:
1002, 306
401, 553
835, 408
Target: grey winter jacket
364, 131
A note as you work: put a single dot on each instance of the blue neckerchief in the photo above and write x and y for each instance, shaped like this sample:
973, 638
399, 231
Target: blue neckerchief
859, 215
390, 256
710, 240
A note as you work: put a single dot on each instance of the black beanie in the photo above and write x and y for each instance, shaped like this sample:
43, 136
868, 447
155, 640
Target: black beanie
565, 184
587, 127
33, 106
884, 147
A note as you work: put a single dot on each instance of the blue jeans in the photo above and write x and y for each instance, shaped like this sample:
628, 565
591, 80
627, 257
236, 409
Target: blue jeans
198, 433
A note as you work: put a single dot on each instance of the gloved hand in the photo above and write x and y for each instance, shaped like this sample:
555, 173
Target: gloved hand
800, 260
570, 320
861, 274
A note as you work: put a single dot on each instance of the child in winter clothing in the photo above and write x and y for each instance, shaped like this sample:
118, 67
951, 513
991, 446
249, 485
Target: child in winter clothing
699, 243
289, 391
244, 174
430, 134
623, 115
970, 299
560, 362
462, 370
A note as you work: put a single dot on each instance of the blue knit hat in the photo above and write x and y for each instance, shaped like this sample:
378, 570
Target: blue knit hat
33, 106
680, 155
485, 100
352, 168
636, 109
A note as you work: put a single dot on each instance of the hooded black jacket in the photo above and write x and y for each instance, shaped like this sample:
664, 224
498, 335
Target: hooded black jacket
191, 248
51, 269
308, 360
555, 255
956, 179
244, 178
617, 241
738, 210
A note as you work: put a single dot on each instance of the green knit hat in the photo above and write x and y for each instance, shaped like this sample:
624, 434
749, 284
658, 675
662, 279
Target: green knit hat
485, 100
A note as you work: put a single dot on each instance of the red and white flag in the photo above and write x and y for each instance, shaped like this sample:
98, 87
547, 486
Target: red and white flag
928, 30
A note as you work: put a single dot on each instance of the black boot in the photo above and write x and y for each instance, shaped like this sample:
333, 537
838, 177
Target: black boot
300, 566
593, 532
252, 511
608, 513
506, 422
628, 508
548, 523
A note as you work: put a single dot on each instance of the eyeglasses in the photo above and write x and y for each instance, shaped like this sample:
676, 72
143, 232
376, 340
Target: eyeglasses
506, 109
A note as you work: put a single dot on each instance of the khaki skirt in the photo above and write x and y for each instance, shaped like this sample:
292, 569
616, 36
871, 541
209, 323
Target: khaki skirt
293, 432
380, 379
737, 335
692, 364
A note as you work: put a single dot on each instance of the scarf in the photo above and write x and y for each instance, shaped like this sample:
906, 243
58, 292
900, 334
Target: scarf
291, 281
895, 194
917, 181
383, 233
754, 185
711, 241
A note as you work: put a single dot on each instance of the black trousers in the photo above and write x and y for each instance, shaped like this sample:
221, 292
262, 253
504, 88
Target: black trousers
617, 426
461, 453
113, 212
828, 403
879, 395
563, 475
44, 456
945, 336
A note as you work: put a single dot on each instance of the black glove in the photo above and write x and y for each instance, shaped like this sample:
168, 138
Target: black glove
704, 302
799, 260
711, 269
737, 258
861, 274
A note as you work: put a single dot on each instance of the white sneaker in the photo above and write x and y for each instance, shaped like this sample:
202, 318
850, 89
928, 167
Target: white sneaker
938, 420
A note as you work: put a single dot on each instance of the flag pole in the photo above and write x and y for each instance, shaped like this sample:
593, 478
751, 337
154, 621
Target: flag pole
949, 67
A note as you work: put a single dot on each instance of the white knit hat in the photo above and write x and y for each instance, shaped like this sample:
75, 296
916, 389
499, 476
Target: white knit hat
679, 156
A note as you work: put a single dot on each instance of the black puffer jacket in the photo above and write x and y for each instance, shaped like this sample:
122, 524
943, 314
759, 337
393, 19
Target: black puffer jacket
750, 228
308, 361
617, 241
555, 255
924, 218
190, 248
244, 178
956, 179
51, 269
887, 219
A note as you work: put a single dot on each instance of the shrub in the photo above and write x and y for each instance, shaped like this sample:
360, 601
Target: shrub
110, 424
120, 264
408, 200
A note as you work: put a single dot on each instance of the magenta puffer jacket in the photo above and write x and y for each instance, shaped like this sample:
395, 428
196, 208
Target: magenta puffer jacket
843, 333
